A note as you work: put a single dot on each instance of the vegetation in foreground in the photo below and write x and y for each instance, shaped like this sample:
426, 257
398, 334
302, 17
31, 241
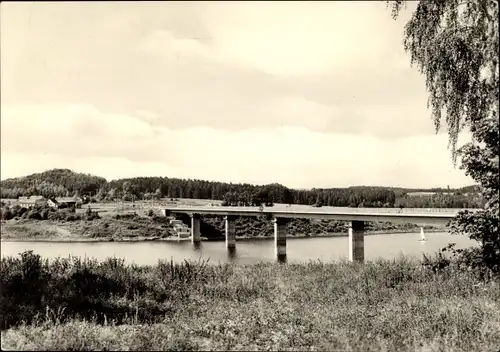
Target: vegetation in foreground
455, 45
74, 304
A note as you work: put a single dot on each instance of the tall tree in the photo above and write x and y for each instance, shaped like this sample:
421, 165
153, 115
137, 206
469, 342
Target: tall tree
455, 45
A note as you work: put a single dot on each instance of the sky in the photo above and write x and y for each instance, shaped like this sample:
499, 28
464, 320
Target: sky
306, 94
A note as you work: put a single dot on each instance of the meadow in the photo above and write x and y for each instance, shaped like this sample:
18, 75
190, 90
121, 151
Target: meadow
398, 305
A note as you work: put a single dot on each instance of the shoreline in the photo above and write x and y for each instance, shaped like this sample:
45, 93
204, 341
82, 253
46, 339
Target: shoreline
81, 239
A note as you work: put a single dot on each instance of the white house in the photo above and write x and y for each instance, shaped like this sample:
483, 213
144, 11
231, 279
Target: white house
28, 202
53, 203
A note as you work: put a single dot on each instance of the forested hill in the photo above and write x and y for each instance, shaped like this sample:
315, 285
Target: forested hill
55, 182
64, 182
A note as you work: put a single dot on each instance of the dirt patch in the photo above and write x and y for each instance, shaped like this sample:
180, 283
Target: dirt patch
106, 228
60, 231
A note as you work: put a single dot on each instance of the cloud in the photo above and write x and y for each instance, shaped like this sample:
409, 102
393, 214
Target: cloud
21, 164
164, 42
222, 65
300, 93
297, 38
113, 145
147, 115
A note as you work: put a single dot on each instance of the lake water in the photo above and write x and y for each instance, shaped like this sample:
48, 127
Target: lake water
386, 246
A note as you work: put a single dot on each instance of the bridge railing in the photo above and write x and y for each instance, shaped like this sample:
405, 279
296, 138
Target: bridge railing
401, 210
298, 208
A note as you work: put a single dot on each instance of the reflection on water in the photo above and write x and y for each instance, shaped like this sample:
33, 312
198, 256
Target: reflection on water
197, 247
385, 246
231, 254
281, 258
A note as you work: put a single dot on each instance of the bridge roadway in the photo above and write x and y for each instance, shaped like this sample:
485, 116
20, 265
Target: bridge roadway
281, 214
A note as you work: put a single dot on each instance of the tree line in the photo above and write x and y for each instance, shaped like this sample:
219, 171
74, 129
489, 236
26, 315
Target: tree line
64, 182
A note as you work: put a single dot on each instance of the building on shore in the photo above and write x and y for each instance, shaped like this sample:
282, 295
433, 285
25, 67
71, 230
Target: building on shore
65, 202
28, 202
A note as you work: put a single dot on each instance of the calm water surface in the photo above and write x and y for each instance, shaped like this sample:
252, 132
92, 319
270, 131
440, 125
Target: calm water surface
386, 246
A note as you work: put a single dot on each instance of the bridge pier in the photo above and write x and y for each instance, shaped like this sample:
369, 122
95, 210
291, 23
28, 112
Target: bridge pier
230, 231
357, 241
195, 228
280, 229
356, 216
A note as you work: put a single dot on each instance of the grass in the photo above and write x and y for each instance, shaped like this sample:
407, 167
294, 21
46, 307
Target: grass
399, 305
26, 231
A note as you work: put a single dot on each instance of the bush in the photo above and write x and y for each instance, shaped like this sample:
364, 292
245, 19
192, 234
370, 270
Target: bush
47, 213
91, 215
86, 288
33, 214
125, 216
6, 214
467, 259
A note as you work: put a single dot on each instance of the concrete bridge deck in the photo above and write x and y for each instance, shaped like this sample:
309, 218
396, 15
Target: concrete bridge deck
281, 214
395, 215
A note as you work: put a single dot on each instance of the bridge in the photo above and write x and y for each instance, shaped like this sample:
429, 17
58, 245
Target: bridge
281, 215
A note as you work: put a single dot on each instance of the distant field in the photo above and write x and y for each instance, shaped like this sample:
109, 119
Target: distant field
142, 207
199, 202
150, 204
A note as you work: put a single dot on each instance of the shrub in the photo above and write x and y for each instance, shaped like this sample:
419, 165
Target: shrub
87, 288
6, 214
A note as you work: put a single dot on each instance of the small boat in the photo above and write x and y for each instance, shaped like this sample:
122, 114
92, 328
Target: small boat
422, 235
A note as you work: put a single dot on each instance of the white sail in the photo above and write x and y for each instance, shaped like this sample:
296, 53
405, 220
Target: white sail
422, 235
